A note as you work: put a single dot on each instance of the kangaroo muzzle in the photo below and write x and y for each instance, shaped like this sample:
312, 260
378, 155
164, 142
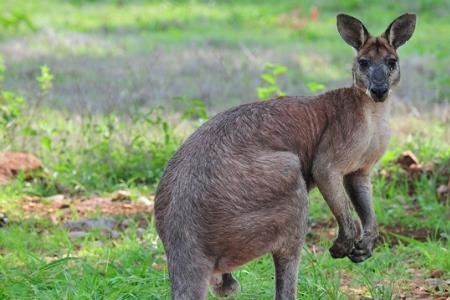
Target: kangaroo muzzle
378, 82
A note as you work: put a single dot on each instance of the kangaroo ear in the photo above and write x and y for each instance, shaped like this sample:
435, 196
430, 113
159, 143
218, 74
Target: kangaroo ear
400, 30
352, 31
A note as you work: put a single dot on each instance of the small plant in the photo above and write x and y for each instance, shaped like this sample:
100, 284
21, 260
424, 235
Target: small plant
11, 107
315, 87
269, 87
193, 109
13, 20
2, 70
45, 79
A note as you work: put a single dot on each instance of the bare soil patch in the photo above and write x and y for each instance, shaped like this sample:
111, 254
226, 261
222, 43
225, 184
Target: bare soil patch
60, 208
12, 163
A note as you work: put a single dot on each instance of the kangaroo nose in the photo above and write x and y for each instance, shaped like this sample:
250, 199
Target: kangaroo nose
379, 91
378, 74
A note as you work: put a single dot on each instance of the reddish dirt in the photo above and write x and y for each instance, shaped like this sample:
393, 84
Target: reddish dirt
60, 209
11, 163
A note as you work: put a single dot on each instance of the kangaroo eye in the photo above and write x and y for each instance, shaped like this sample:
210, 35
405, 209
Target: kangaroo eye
363, 63
392, 63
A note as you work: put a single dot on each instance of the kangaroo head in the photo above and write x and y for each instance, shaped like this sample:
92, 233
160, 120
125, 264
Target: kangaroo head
376, 68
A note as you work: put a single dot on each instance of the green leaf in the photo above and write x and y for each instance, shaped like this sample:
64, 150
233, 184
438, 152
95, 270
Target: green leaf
29, 131
46, 142
269, 78
279, 70
315, 86
45, 79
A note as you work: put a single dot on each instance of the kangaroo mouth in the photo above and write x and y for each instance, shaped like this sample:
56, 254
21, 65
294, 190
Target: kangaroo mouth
378, 98
378, 92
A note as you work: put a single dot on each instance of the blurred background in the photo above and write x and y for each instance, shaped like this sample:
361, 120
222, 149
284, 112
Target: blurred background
96, 95
110, 55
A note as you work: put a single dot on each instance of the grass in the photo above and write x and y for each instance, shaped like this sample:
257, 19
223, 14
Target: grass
97, 129
52, 266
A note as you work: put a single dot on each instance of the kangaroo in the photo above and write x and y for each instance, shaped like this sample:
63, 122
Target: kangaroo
238, 187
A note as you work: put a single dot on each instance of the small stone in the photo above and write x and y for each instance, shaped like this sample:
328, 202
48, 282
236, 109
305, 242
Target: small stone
140, 232
114, 234
89, 224
124, 224
3, 220
121, 195
77, 234
56, 198
144, 200
442, 189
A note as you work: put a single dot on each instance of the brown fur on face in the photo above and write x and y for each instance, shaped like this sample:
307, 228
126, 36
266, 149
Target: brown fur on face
238, 187
375, 51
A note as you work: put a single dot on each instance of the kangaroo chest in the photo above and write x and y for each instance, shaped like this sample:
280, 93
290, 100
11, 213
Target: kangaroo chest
375, 135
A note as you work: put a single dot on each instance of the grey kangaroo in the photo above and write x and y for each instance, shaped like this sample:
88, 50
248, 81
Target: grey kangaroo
238, 187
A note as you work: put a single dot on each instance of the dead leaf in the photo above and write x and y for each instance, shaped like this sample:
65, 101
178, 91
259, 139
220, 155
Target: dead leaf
406, 159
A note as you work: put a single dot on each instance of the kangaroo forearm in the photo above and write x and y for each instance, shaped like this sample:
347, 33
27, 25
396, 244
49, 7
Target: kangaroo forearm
359, 190
333, 191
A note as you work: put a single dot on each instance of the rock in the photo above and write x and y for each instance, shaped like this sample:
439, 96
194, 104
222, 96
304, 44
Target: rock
443, 189
12, 163
85, 224
437, 282
59, 201
3, 220
124, 224
114, 234
144, 200
121, 195
80, 228
77, 234
56, 198
140, 232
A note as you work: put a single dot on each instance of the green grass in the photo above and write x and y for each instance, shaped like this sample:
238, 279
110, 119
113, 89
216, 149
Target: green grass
51, 266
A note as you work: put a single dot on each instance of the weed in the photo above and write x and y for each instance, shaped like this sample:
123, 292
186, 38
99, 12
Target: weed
269, 87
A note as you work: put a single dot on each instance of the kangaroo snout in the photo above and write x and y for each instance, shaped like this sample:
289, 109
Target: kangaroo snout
379, 82
379, 92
